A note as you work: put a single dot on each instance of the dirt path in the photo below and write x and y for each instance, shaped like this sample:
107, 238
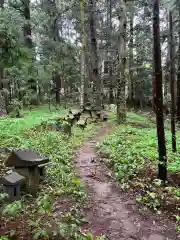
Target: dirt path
110, 212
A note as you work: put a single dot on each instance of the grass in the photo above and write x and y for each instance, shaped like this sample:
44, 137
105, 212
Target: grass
12, 129
144, 141
131, 151
37, 213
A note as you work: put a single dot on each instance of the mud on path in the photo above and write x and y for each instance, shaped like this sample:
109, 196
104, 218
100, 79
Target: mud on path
109, 211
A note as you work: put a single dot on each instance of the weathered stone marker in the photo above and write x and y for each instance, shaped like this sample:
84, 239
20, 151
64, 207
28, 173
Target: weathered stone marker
11, 185
26, 163
42, 171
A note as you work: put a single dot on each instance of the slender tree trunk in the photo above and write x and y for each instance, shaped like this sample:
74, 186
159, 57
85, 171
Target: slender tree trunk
166, 77
131, 83
10, 91
82, 80
94, 54
121, 101
1, 3
172, 80
58, 86
178, 75
84, 97
111, 96
158, 96
18, 91
1, 76
153, 93
57, 96
1, 50
109, 40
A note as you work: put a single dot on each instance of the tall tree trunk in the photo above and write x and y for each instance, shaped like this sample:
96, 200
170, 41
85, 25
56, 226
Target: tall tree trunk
111, 96
178, 75
10, 91
83, 96
57, 95
27, 25
131, 80
1, 50
94, 54
84, 59
1, 76
172, 80
57, 81
109, 41
166, 77
1, 3
121, 101
18, 90
158, 96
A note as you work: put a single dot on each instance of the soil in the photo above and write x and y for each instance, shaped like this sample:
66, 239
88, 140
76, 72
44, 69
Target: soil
111, 212
175, 178
138, 125
3, 113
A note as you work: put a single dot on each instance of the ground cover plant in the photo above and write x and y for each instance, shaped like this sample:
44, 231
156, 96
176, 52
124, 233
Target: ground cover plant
61, 195
131, 151
55, 53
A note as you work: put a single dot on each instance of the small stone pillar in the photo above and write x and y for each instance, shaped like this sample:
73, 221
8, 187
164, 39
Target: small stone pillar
26, 163
11, 185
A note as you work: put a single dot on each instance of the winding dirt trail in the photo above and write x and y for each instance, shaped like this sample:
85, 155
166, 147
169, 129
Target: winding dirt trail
109, 211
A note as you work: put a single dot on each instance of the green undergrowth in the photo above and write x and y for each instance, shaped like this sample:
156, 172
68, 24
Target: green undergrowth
61, 181
131, 151
13, 128
144, 139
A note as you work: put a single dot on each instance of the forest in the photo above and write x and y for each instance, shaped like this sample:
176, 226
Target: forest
89, 120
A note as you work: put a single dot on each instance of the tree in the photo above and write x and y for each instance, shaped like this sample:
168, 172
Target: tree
178, 72
172, 80
27, 25
121, 101
1, 63
94, 54
84, 97
109, 45
158, 96
142, 77
131, 43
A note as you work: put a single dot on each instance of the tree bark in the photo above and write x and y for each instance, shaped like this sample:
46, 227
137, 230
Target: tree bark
84, 59
18, 90
94, 55
109, 35
131, 83
158, 96
27, 25
172, 80
1, 3
1, 50
57, 81
1, 76
178, 75
121, 101
166, 77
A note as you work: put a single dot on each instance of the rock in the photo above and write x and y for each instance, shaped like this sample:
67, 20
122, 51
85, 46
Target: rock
25, 158
11, 185
12, 179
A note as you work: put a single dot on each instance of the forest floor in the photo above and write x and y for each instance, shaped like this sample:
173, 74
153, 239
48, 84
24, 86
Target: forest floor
111, 212
107, 169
